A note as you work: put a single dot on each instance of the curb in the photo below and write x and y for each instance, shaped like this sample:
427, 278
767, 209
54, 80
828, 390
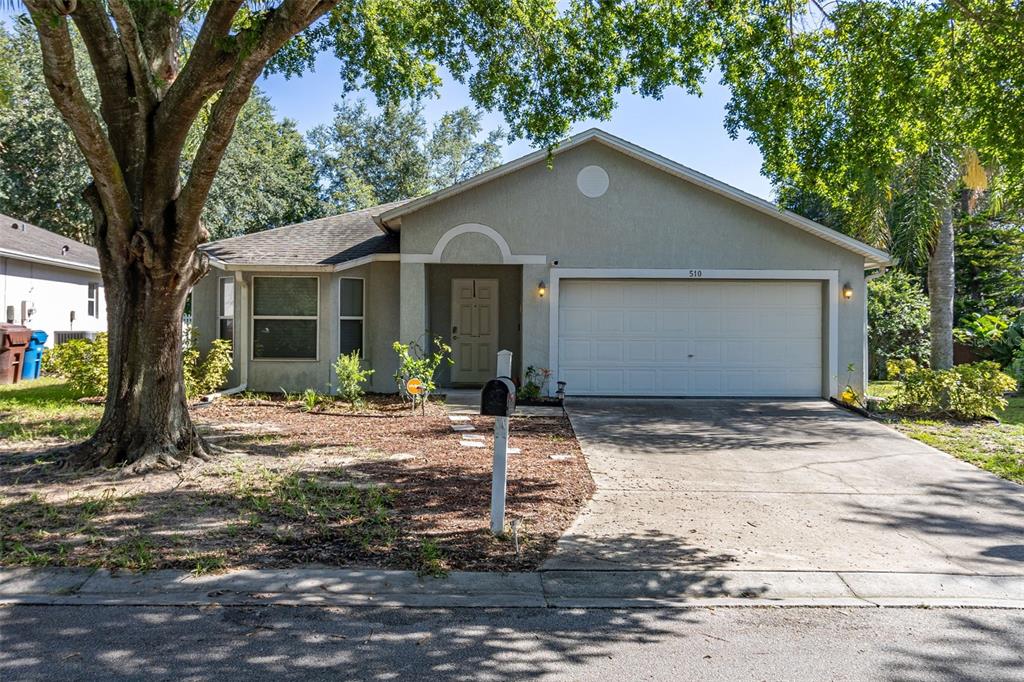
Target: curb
543, 589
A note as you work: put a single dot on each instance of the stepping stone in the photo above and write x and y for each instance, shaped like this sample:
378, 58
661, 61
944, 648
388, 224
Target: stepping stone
514, 451
561, 458
473, 436
459, 417
471, 443
463, 427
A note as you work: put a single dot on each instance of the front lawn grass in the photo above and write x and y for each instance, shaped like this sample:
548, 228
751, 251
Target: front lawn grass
44, 409
994, 447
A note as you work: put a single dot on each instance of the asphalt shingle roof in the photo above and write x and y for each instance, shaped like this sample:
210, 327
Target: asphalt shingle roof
324, 241
17, 235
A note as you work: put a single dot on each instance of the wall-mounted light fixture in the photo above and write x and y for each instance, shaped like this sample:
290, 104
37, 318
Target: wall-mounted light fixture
847, 291
542, 289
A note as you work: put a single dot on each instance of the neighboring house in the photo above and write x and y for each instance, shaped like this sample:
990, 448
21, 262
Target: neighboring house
621, 271
49, 282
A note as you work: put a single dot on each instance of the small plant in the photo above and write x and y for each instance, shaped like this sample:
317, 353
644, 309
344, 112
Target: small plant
413, 363
135, 554
849, 395
535, 380
351, 377
965, 392
310, 400
205, 563
80, 362
430, 559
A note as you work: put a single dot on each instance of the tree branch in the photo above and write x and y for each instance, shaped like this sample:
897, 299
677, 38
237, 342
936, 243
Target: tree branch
286, 21
66, 90
135, 54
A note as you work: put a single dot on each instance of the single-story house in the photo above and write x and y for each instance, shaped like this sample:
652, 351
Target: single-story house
49, 282
624, 273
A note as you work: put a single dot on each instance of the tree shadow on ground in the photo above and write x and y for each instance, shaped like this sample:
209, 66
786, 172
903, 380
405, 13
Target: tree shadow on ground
968, 648
332, 643
978, 519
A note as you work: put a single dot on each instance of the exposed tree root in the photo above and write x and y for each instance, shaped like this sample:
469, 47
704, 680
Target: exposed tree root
101, 451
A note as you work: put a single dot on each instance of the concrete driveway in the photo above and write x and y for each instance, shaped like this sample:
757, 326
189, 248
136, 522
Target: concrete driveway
744, 485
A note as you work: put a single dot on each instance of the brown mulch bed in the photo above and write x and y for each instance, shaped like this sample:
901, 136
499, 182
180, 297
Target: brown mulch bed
373, 487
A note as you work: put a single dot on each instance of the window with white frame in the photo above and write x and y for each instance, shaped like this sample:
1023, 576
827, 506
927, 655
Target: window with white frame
351, 315
284, 318
94, 300
226, 308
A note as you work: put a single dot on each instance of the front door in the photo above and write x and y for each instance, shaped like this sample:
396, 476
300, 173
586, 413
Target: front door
474, 330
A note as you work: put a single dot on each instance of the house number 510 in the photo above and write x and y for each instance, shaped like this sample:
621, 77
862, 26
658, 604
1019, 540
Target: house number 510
696, 273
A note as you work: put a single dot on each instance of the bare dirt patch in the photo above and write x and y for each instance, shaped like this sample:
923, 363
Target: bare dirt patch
339, 487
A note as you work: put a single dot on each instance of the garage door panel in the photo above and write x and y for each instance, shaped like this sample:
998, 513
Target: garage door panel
674, 321
607, 321
609, 352
685, 337
642, 321
642, 351
641, 381
575, 321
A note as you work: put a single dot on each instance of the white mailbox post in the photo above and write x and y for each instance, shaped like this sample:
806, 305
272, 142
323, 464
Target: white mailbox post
499, 476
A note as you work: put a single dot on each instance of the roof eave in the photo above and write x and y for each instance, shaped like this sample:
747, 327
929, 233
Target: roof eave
45, 260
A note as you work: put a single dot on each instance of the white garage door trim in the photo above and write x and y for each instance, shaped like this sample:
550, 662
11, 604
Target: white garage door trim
831, 277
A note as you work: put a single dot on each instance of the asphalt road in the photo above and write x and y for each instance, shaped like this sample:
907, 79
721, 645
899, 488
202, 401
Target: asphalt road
262, 643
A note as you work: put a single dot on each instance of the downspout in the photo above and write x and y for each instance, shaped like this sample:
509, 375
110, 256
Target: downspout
242, 329
867, 279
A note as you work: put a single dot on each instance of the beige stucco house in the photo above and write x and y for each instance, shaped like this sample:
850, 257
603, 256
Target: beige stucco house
621, 271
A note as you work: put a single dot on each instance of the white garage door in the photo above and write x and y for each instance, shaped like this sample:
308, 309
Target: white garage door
690, 337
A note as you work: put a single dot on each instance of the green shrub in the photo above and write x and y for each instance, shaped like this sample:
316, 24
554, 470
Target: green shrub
80, 362
964, 392
209, 375
898, 315
413, 363
351, 377
896, 368
310, 400
1009, 344
535, 380
83, 364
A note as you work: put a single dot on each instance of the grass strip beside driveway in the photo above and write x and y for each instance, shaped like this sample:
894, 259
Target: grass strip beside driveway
994, 447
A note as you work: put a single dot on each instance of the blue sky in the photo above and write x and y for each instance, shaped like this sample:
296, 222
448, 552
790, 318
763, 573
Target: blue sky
685, 128
682, 127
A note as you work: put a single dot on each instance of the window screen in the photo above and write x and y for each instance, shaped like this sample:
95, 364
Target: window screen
351, 318
284, 320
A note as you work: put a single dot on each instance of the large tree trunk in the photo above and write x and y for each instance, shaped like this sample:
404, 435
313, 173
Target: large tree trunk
145, 421
941, 289
147, 225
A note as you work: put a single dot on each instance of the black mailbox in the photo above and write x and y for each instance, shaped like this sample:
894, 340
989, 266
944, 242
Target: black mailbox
498, 398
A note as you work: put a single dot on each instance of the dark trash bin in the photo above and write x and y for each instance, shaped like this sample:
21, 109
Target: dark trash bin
13, 340
33, 362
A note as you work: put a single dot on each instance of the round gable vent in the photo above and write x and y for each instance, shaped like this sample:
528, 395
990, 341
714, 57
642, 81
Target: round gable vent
592, 181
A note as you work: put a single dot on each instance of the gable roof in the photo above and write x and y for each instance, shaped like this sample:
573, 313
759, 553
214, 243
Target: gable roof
391, 219
29, 242
322, 243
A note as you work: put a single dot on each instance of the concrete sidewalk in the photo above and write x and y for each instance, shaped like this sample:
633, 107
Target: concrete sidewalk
552, 588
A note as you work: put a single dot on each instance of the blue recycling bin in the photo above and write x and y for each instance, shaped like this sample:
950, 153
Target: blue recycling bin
32, 363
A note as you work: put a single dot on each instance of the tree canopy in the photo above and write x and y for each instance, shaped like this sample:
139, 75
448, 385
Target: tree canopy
365, 159
879, 115
265, 180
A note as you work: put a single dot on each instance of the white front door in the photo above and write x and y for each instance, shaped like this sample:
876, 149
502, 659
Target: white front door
474, 330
